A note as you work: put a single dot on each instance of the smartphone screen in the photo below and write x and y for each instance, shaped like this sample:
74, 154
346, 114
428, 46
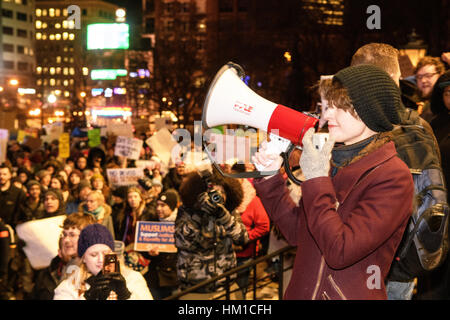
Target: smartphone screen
111, 264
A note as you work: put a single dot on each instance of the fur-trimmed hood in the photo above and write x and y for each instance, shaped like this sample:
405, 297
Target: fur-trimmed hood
193, 185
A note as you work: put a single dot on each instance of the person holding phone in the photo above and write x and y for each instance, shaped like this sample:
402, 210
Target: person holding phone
95, 280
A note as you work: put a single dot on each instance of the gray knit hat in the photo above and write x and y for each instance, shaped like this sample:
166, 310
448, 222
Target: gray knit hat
374, 95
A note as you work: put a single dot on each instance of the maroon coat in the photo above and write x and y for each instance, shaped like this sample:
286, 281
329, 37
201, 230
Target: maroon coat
347, 228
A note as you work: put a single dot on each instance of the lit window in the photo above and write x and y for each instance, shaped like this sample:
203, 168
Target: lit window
52, 37
66, 93
51, 12
85, 71
45, 69
71, 60
44, 12
57, 25
38, 24
65, 35
71, 81
65, 12
52, 70
58, 59
65, 24
38, 36
71, 24
38, 70
52, 82
72, 71
66, 83
44, 36
57, 12
44, 25
38, 12
58, 70
66, 71
71, 36
39, 82
58, 36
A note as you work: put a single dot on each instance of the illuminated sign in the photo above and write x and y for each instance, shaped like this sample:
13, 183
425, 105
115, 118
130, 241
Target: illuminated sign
111, 112
108, 36
107, 74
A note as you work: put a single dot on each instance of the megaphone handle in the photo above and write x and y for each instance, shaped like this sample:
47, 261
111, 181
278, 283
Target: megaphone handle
287, 168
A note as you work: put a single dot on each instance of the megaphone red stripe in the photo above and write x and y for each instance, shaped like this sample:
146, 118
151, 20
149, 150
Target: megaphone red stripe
290, 124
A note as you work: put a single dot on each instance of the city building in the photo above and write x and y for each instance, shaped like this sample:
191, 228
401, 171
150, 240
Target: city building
18, 60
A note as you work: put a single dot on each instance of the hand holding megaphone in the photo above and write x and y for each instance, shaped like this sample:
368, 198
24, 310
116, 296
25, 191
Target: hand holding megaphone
267, 159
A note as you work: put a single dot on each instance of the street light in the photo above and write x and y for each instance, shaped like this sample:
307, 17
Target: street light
51, 98
415, 49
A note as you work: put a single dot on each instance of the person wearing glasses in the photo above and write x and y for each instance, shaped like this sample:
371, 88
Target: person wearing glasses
427, 72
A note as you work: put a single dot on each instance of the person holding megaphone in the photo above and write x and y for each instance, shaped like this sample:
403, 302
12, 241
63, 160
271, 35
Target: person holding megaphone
357, 196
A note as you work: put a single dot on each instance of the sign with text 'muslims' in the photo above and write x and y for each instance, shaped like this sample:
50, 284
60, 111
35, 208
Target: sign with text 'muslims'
151, 234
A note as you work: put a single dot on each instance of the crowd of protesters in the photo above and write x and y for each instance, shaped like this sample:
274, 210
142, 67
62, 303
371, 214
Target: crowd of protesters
219, 221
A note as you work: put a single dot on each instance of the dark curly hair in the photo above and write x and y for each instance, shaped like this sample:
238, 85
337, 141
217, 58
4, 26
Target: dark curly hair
193, 185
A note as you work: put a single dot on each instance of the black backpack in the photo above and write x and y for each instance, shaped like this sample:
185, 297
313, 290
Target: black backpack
424, 244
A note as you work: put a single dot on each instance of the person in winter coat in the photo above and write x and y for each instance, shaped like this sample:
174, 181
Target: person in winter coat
354, 208
162, 271
257, 223
47, 279
90, 281
206, 228
96, 206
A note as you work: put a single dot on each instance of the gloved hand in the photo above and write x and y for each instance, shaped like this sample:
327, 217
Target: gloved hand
100, 287
315, 163
208, 206
119, 285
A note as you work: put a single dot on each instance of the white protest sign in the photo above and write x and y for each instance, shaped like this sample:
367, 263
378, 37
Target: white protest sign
124, 176
162, 143
4, 136
128, 147
41, 237
120, 129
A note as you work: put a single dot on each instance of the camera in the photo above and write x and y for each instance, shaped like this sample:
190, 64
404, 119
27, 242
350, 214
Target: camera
215, 196
146, 181
111, 264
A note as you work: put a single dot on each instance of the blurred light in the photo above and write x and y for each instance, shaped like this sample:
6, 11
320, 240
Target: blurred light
120, 90
14, 82
51, 98
108, 92
82, 94
26, 90
96, 91
287, 56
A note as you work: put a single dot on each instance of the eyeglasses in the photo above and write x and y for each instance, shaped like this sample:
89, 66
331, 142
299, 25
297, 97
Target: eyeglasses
427, 76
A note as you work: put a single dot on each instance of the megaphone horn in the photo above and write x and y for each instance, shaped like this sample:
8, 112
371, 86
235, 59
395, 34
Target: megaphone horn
231, 101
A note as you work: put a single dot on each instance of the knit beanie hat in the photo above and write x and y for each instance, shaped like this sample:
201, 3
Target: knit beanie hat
57, 194
84, 184
169, 197
94, 234
97, 176
374, 95
32, 183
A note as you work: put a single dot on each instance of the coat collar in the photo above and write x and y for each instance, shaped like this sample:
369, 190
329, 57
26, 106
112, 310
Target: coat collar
348, 177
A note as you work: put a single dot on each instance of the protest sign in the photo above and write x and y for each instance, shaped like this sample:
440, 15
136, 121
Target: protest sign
4, 136
162, 143
94, 138
64, 145
41, 237
120, 129
151, 234
129, 148
124, 176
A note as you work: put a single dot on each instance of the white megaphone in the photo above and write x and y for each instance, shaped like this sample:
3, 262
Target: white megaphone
231, 101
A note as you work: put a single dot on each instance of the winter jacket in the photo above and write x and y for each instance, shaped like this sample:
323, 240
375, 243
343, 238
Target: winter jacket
69, 288
254, 217
205, 246
10, 201
346, 228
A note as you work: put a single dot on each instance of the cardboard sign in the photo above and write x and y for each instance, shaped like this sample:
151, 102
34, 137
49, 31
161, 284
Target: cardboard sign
94, 138
162, 143
128, 147
4, 136
120, 129
151, 234
41, 237
64, 145
124, 176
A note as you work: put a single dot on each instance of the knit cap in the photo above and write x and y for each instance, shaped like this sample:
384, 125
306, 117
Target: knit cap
32, 183
57, 194
374, 95
94, 234
169, 197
